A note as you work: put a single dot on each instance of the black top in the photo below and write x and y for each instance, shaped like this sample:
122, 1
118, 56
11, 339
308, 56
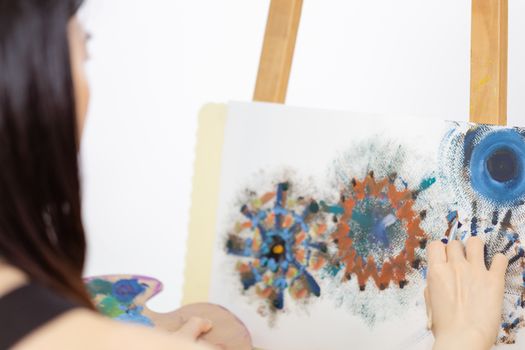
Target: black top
25, 309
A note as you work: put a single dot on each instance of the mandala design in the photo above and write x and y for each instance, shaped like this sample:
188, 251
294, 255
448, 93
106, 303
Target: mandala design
378, 231
282, 243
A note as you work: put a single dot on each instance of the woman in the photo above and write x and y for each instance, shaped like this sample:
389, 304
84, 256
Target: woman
43, 304
43, 102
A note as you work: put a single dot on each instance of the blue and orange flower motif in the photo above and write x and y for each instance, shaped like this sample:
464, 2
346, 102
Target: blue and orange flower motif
282, 243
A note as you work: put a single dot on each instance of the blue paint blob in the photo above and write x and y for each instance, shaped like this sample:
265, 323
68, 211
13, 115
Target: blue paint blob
502, 165
451, 216
278, 302
313, 287
497, 165
249, 279
426, 183
126, 290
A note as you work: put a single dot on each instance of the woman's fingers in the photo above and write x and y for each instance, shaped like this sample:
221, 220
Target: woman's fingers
455, 251
429, 309
475, 251
499, 264
195, 327
436, 253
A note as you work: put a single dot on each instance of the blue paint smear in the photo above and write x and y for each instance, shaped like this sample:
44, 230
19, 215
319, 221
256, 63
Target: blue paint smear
426, 183
312, 285
244, 250
379, 230
452, 215
333, 269
424, 272
250, 279
278, 302
134, 316
474, 226
127, 289
332, 209
375, 220
469, 143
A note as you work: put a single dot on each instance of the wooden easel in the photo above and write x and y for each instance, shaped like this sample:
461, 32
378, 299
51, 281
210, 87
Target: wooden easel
488, 101
488, 78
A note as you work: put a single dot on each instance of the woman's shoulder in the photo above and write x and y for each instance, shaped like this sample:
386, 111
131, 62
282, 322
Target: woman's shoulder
11, 278
83, 329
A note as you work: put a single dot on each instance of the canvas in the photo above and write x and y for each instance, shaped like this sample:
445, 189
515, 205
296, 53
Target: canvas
323, 219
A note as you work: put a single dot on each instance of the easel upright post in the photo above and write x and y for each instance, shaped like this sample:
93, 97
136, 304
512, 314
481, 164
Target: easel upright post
278, 49
488, 81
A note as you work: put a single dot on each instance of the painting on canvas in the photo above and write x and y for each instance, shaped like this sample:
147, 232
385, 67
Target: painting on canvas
324, 218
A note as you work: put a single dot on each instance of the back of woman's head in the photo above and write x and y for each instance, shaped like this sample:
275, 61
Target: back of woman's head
41, 230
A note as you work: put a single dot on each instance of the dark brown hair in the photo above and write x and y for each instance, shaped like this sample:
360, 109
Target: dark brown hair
41, 228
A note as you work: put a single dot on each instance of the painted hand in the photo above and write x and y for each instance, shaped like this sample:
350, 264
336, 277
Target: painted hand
464, 299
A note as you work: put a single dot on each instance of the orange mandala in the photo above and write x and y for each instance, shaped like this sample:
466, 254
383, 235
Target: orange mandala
378, 231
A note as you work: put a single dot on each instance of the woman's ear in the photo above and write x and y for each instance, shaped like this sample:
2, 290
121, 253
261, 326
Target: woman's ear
78, 57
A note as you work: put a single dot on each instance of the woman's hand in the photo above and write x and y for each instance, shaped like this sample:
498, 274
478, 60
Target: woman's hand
464, 299
194, 328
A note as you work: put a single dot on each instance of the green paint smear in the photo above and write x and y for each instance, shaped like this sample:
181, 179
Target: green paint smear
332, 209
110, 306
99, 286
333, 270
426, 183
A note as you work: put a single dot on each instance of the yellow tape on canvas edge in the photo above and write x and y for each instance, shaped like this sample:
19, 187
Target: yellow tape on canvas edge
204, 203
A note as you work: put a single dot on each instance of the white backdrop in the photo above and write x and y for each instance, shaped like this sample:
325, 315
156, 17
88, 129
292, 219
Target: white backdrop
154, 63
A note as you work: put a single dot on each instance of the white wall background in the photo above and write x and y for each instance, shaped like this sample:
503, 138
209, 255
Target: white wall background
154, 63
